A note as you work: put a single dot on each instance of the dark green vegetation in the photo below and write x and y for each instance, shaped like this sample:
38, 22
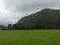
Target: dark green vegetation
31, 37
44, 19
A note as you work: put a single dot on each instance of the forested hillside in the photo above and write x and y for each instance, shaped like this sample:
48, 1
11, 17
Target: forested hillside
44, 19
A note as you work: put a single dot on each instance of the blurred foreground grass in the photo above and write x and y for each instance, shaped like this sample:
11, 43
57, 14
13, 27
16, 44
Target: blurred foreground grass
30, 37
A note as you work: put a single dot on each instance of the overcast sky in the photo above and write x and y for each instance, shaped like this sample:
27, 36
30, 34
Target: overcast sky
12, 10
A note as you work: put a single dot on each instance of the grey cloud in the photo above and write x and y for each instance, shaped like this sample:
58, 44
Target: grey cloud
18, 8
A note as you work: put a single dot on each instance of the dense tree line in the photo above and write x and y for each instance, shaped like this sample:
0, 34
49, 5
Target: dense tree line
44, 19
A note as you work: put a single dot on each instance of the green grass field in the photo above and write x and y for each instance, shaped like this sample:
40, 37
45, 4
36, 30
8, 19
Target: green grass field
30, 37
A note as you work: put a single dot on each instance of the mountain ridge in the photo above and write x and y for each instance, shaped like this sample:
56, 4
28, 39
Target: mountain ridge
44, 19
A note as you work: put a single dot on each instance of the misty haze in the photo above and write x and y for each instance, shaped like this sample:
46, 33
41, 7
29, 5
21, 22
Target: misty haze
29, 14
29, 22
13, 10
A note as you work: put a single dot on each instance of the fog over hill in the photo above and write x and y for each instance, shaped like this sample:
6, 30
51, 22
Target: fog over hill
13, 10
44, 19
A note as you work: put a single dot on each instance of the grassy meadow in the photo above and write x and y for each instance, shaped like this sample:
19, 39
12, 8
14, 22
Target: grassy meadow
30, 37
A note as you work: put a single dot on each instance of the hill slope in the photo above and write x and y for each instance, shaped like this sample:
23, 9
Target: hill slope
44, 19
